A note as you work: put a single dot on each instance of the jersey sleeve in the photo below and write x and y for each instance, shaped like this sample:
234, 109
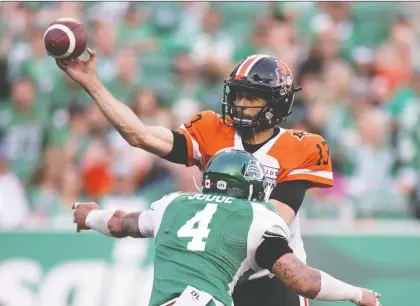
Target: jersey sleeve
312, 162
265, 222
150, 220
194, 132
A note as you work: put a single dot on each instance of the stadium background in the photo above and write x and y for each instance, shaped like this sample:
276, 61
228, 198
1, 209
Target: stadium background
358, 64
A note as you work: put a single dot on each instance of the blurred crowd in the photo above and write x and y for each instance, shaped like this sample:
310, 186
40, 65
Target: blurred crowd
357, 62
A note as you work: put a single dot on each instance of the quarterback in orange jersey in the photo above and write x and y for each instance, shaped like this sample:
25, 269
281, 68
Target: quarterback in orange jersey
257, 96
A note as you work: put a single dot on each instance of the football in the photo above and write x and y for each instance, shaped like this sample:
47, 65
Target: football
65, 38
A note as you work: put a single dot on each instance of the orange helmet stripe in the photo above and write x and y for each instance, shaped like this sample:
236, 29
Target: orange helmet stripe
247, 64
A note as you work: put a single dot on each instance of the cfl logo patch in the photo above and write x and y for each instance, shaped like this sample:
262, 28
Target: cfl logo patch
195, 295
221, 185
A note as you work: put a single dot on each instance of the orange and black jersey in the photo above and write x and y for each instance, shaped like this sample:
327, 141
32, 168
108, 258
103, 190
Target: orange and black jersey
291, 155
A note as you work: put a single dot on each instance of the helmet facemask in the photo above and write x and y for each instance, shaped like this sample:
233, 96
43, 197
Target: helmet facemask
270, 114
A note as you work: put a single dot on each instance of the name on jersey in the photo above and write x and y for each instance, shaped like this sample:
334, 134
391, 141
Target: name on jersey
211, 198
271, 173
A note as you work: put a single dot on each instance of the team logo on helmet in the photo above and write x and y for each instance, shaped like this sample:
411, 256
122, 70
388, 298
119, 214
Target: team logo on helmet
254, 170
284, 76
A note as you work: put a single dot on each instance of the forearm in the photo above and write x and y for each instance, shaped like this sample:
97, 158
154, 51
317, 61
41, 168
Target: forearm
313, 283
119, 115
127, 226
296, 275
156, 140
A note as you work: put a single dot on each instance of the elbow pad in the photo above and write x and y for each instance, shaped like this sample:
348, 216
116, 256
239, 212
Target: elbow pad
270, 250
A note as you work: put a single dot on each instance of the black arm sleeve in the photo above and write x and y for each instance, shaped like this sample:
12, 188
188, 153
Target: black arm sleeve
271, 249
179, 153
291, 193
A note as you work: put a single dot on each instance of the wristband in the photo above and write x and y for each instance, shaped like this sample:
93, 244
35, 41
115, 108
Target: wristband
98, 220
334, 290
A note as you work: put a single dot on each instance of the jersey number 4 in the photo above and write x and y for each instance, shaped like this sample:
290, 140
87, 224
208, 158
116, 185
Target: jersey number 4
202, 231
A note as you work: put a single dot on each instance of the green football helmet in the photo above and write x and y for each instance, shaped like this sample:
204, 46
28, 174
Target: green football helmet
234, 173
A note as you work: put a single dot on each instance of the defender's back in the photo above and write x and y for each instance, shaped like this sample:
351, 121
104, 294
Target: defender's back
206, 241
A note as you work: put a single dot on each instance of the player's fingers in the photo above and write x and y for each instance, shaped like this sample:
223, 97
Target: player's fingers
61, 64
92, 54
92, 58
